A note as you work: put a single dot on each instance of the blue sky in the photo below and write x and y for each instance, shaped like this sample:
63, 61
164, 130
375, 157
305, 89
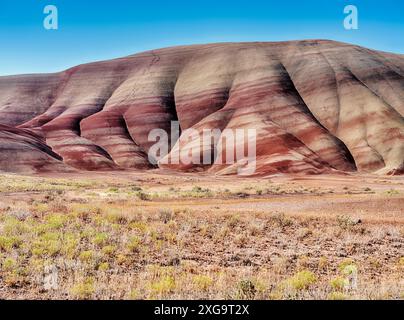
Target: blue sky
98, 30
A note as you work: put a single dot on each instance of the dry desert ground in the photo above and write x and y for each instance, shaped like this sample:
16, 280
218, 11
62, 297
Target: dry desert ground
159, 234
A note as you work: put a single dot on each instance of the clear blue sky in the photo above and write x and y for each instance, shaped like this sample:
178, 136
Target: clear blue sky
98, 30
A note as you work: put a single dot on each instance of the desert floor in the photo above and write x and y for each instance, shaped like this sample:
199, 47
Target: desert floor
151, 235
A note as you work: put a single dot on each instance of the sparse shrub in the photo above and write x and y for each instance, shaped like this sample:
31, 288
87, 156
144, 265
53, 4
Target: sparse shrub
86, 256
134, 244
281, 220
9, 264
339, 284
8, 243
56, 221
50, 196
223, 233
114, 216
246, 289
163, 286
100, 239
337, 296
70, 243
241, 239
255, 228
48, 244
104, 266
303, 233
301, 280
170, 237
59, 205
302, 262
121, 259
172, 225
143, 195
165, 215
134, 294
174, 261
401, 262
139, 226
280, 264
202, 282
242, 194
40, 208
14, 279
197, 189
345, 263
14, 227
275, 295
323, 263
233, 221
21, 215
108, 250
198, 192
375, 263
83, 214
392, 192
347, 222
349, 270
83, 290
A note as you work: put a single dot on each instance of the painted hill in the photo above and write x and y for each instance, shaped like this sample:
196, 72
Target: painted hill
318, 106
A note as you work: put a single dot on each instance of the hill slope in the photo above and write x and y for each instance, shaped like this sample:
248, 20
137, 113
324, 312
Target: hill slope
317, 105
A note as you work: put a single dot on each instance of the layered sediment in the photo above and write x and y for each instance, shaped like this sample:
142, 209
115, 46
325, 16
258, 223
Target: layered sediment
317, 106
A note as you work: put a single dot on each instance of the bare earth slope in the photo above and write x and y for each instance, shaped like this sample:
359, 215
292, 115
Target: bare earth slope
318, 106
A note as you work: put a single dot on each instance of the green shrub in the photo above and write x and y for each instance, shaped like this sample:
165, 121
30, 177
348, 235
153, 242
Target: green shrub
163, 286
339, 283
86, 256
9, 264
202, 282
100, 239
134, 244
301, 280
8, 243
337, 296
83, 290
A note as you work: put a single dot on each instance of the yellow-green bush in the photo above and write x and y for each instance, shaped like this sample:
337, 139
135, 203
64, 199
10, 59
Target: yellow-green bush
202, 282
301, 280
339, 283
163, 286
84, 289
